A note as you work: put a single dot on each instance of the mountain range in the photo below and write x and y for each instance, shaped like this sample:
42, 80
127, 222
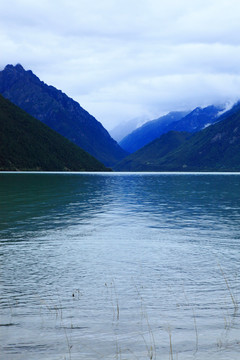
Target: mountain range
43, 129
28, 144
215, 148
193, 121
59, 112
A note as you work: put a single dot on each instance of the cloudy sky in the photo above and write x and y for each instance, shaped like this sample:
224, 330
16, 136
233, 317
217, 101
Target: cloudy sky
121, 59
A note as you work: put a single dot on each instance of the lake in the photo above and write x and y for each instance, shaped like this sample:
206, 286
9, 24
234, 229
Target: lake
119, 266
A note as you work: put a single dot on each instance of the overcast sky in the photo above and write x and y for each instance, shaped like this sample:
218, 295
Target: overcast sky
121, 59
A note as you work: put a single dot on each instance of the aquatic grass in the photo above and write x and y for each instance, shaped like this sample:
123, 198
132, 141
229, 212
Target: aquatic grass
68, 344
56, 308
170, 343
234, 301
229, 318
194, 321
114, 299
151, 349
196, 330
146, 333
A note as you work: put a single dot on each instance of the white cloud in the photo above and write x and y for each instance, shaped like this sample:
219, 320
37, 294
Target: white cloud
123, 59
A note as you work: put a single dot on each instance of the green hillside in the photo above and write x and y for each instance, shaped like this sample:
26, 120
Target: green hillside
28, 144
147, 158
217, 148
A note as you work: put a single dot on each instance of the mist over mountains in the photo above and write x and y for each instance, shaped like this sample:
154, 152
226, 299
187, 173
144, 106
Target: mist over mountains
124, 128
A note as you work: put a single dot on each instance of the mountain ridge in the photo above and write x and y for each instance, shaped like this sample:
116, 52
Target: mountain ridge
28, 144
215, 148
149, 131
192, 121
60, 112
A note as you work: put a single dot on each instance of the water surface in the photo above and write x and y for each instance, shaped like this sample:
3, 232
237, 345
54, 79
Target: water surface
119, 266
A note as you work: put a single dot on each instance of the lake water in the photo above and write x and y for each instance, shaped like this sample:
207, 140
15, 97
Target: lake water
119, 266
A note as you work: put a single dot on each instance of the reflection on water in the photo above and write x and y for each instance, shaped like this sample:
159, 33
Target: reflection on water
114, 265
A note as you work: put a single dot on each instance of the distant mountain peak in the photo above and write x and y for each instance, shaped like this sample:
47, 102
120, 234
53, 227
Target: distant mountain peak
17, 67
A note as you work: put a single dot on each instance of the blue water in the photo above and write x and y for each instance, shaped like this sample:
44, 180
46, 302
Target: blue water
119, 266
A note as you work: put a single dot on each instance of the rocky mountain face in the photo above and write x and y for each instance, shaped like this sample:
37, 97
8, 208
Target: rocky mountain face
197, 119
216, 148
28, 144
59, 112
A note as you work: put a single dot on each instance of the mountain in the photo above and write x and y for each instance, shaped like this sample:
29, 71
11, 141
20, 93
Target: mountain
216, 148
59, 112
147, 158
197, 119
126, 127
192, 122
149, 131
28, 144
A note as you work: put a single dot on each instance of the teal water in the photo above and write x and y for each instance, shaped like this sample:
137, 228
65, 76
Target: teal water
119, 266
